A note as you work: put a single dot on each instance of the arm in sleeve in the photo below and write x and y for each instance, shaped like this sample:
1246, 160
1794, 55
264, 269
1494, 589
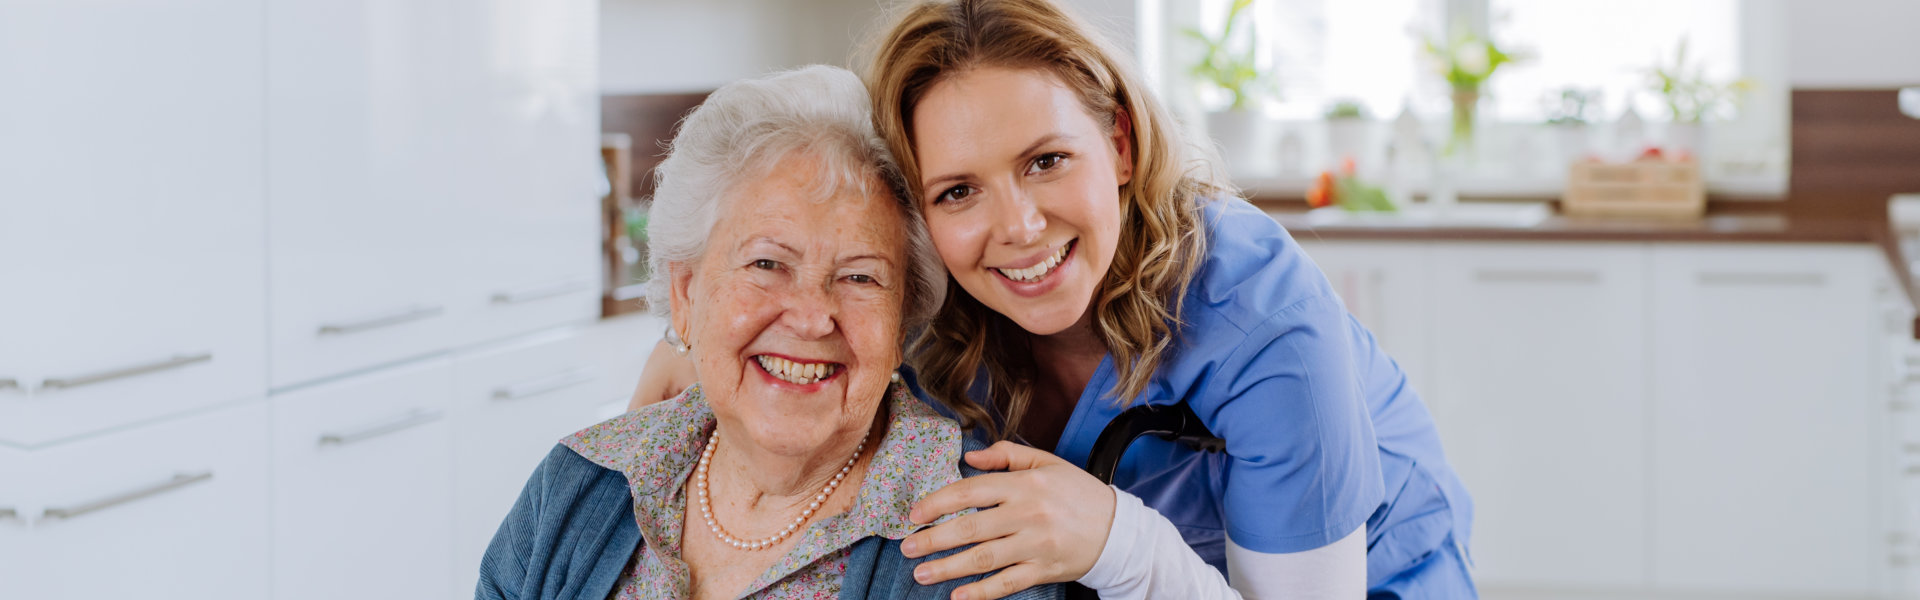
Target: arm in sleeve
1336, 571
1304, 468
1145, 557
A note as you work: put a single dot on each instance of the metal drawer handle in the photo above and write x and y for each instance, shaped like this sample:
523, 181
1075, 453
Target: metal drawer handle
9, 384
539, 292
1534, 276
409, 314
178, 481
174, 362
413, 418
1731, 278
9, 513
1900, 406
1912, 447
1913, 470
535, 387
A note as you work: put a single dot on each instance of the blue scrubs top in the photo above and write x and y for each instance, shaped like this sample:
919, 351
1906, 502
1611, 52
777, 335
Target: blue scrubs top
1323, 431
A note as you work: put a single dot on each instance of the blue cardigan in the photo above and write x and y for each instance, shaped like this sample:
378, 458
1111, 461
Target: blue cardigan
572, 533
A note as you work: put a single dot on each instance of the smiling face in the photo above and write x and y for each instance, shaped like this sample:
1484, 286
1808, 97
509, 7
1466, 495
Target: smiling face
1020, 185
794, 310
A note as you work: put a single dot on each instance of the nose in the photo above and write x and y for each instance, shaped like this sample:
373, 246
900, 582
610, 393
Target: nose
810, 312
1019, 220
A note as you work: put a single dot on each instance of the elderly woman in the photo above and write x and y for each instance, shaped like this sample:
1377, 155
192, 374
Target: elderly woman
791, 272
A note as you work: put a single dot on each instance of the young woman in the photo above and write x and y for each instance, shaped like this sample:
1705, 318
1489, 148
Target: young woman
1099, 267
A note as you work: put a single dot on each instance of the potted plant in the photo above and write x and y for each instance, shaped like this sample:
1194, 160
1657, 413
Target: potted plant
1229, 63
1569, 111
1349, 130
1691, 98
1466, 62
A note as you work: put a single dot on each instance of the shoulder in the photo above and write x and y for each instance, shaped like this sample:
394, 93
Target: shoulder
877, 570
1253, 269
571, 523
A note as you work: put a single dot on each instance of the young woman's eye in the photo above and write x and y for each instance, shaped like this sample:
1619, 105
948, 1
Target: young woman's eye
765, 264
958, 192
1046, 162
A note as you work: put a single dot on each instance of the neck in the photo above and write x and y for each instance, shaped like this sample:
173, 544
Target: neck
1075, 345
760, 481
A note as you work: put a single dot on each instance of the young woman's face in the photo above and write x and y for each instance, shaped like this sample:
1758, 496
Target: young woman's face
1021, 187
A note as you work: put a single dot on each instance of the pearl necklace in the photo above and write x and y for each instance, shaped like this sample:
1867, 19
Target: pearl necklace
706, 505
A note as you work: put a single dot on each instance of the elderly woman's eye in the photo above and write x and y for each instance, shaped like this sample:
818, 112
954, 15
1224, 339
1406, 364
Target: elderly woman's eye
766, 264
1046, 162
861, 278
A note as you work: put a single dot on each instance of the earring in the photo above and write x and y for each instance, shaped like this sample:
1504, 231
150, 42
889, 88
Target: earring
896, 377
673, 341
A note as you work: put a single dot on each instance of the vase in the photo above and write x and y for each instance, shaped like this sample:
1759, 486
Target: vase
1685, 140
1466, 102
1242, 138
1349, 138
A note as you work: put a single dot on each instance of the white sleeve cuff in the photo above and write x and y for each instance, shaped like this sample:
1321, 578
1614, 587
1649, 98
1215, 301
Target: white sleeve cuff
1145, 557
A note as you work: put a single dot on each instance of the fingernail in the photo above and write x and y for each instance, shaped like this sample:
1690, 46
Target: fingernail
922, 574
958, 595
909, 547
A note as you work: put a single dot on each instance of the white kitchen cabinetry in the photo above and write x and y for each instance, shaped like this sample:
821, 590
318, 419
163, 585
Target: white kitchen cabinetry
512, 403
1539, 387
177, 508
130, 231
525, 228
1384, 285
1768, 421
362, 490
361, 176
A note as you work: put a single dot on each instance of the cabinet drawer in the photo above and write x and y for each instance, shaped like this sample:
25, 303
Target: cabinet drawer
117, 515
512, 403
362, 486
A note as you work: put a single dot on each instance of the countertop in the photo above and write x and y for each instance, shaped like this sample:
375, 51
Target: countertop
1748, 222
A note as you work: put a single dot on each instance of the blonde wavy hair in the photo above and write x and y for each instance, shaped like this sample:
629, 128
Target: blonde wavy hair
1137, 305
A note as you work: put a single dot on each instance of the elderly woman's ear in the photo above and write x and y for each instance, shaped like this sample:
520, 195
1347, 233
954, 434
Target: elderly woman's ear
682, 301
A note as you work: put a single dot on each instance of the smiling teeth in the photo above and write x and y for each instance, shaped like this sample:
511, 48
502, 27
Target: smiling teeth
796, 373
1039, 271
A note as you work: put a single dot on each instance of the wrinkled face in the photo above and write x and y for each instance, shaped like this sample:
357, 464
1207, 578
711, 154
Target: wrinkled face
794, 310
1021, 188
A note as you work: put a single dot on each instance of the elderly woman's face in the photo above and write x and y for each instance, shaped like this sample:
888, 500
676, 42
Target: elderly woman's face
794, 311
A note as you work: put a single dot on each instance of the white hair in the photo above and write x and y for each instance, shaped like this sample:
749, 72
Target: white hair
745, 128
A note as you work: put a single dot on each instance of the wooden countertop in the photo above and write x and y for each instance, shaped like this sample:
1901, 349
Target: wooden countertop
1751, 222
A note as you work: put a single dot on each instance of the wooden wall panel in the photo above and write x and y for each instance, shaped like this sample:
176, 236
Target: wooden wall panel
651, 119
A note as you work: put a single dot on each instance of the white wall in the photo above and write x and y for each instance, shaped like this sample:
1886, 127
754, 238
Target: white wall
658, 46
650, 46
1839, 44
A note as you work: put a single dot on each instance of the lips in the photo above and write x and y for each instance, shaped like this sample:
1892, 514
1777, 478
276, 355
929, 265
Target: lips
1041, 269
797, 372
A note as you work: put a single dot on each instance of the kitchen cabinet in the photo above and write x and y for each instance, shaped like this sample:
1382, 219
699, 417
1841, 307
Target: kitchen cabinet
131, 233
512, 403
527, 225
1385, 286
1539, 388
1768, 420
360, 176
111, 514
362, 486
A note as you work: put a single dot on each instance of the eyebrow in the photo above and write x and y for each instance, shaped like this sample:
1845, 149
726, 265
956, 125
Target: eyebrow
1031, 148
769, 239
791, 250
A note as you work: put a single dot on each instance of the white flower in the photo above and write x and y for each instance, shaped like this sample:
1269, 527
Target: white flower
1472, 59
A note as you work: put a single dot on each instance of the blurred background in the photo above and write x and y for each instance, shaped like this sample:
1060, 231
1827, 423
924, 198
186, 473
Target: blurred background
295, 293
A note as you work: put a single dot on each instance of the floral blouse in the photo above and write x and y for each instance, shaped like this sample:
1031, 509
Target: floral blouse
657, 448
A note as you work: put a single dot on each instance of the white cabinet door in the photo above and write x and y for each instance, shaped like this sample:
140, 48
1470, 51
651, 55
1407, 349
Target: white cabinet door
530, 179
175, 509
1384, 285
362, 179
1539, 383
1768, 420
512, 403
131, 212
362, 490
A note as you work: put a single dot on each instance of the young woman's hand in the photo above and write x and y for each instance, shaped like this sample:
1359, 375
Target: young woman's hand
1048, 524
